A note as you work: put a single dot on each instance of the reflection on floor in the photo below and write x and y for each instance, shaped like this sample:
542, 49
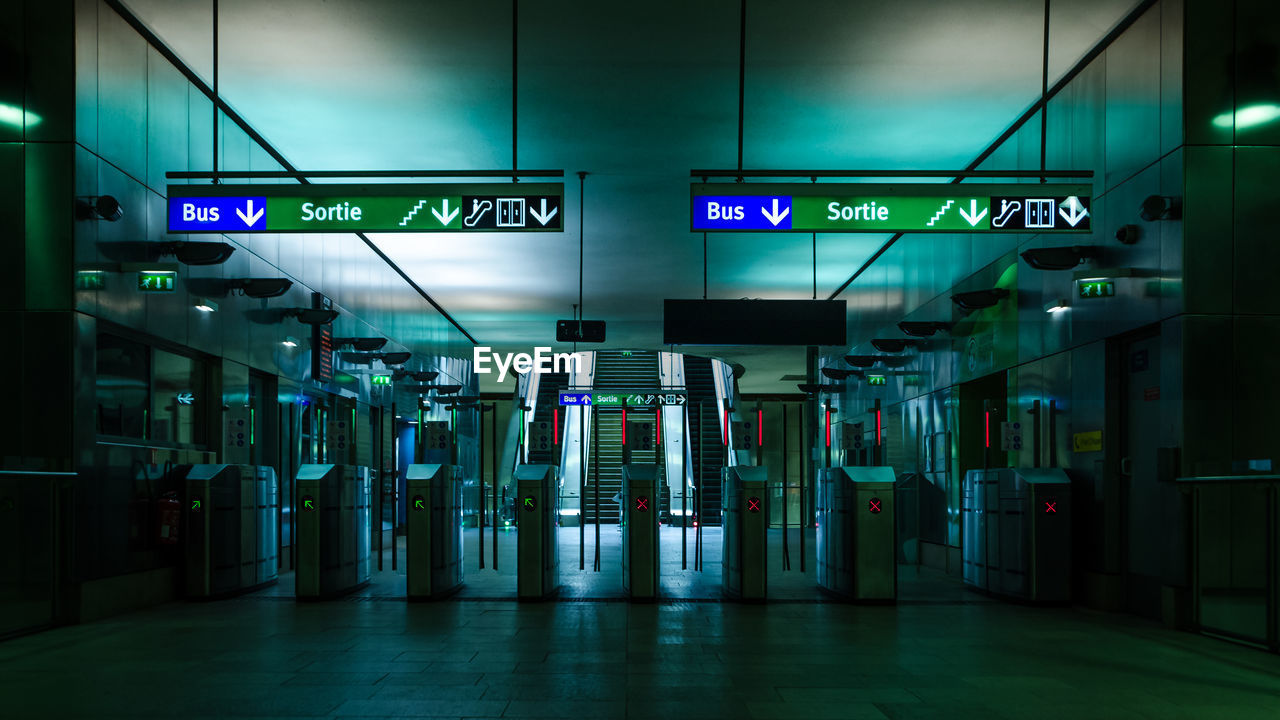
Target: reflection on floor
941, 656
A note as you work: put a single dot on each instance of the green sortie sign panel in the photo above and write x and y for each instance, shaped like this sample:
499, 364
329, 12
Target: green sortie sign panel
907, 207
473, 207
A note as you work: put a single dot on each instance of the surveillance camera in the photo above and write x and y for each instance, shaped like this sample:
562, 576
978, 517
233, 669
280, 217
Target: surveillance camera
262, 288
1160, 207
198, 253
1128, 234
103, 207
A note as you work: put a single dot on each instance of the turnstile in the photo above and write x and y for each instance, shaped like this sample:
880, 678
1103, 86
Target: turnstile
1016, 532
433, 527
333, 530
745, 517
537, 556
857, 557
231, 543
640, 530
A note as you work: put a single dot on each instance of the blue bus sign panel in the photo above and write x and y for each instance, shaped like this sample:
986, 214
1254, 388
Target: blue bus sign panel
570, 399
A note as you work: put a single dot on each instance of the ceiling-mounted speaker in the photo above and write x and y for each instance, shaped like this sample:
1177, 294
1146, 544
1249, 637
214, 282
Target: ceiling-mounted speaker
580, 331
893, 345
922, 328
979, 299
1059, 258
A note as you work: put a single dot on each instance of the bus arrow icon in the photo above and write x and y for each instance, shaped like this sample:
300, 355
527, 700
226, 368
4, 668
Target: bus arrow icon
776, 217
248, 215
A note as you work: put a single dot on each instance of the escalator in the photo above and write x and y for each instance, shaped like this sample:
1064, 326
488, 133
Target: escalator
701, 386
615, 371
550, 386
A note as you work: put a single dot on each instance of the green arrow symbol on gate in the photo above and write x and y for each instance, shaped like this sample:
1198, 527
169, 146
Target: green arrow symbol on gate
308, 504
418, 503
195, 504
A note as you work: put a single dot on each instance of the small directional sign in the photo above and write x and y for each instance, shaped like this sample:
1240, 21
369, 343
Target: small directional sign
642, 503
753, 504
873, 506
196, 505
910, 207
475, 207
419, 503
529, 502
308, 503
631, 399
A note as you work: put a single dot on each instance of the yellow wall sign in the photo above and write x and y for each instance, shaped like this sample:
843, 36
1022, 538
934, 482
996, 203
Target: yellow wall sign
1087, 441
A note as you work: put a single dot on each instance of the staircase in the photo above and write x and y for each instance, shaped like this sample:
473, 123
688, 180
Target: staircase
615, 370
701, 387
548, 401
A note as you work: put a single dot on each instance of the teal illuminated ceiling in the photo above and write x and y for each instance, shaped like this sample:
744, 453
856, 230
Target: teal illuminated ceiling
636, 94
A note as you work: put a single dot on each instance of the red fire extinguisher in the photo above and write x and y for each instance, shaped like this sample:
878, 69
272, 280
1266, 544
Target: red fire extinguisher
168, 516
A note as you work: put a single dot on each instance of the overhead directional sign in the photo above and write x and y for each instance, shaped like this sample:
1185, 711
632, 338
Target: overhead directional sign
865, 208
618, 399
476, 207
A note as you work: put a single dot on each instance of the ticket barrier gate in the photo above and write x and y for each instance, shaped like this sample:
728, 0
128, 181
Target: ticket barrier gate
744, 503
537, 555
640, 530
433, 527
857, 555
333, 523
232, 541
1016, 532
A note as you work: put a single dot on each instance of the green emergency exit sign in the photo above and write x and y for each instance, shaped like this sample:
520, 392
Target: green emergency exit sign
876, 380
157, 281
381, 379
1096, 288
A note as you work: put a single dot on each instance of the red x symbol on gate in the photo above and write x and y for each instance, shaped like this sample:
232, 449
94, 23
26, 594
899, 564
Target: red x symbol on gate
1050, 507
642, 504
874, 505
753, 504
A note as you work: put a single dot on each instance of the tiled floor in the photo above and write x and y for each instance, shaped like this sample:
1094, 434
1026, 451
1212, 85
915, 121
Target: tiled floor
942, 652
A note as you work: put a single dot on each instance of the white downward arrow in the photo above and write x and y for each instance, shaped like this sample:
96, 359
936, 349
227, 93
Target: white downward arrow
248, 215
544, 217
1077, 213
443, 215
973, 216
775, 217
